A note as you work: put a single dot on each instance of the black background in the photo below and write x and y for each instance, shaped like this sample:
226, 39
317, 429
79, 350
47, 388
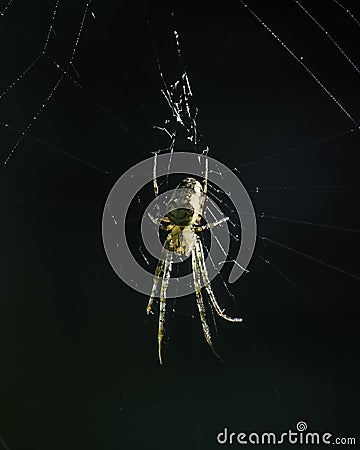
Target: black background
78, 359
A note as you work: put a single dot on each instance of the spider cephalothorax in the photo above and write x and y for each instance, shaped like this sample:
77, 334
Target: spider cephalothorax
182, 222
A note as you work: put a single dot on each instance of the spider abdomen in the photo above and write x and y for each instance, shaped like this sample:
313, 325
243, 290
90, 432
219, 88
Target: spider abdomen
186, 203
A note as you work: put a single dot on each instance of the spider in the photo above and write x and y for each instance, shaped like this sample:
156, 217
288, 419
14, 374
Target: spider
182, 223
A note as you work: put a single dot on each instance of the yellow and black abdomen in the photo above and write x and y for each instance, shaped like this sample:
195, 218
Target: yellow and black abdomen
186, 204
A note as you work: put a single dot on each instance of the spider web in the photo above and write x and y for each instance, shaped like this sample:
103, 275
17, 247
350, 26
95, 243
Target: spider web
81, 102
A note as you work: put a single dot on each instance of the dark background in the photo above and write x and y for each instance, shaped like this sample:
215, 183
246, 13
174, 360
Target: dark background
78, 359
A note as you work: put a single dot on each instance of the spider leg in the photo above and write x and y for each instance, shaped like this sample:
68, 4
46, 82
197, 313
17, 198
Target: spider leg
158, 271
200, 256
158, 223
164, 285
205, 189
200, 302
159, 268
211, 225
206, 176
155, 184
